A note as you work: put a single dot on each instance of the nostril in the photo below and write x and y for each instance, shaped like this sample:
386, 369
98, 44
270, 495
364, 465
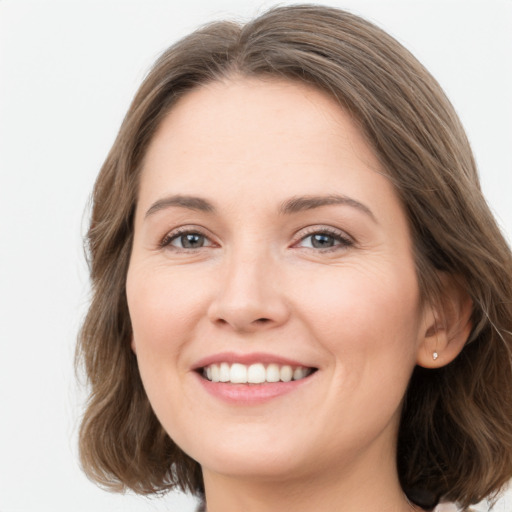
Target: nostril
262, 320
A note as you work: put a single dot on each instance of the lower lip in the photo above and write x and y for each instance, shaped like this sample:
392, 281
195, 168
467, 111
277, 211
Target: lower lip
250, 394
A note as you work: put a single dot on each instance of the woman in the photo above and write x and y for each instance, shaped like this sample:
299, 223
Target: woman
300, 298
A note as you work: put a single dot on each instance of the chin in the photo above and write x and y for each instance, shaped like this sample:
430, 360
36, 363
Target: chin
265, 466
250, 457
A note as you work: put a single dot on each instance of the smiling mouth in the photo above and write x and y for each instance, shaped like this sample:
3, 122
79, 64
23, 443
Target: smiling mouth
258, 373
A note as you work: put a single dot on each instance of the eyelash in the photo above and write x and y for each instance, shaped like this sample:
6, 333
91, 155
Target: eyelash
174, 235
342, 240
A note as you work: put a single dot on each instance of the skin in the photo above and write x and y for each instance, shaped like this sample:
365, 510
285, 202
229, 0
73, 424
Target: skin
257, 284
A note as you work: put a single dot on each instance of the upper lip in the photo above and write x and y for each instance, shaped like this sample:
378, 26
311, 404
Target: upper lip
247, 359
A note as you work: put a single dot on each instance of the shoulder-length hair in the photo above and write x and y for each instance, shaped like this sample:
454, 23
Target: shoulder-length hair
455, 437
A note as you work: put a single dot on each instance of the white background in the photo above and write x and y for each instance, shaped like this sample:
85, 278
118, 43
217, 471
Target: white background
68, 71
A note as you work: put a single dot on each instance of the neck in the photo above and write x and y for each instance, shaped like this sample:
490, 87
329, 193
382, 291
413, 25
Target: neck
350, 489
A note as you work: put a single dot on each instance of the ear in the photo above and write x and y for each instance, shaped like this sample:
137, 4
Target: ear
447, 325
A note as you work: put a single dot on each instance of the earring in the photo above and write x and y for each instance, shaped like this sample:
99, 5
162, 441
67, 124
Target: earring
435, 355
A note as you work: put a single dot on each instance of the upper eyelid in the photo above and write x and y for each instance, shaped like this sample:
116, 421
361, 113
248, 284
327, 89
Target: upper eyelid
314, 229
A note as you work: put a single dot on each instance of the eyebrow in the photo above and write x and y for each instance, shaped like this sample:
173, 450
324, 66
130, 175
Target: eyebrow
294, 205
189, 202
302, 203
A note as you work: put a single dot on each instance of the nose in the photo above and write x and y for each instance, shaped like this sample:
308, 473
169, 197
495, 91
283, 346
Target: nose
249, 296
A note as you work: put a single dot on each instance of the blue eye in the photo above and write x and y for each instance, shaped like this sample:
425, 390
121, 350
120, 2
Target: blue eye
188, 240
322, 240
325, 240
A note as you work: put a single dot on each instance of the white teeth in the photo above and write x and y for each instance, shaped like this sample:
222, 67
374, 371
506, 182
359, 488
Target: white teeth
237, 373
273, 374
224, 373
256, 374
286, 373
299, 373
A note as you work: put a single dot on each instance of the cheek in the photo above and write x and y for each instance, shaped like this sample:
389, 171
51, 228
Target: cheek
369, 324
165, 312
165, 308
369, 319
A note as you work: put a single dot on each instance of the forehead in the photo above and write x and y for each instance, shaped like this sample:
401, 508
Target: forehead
270, 139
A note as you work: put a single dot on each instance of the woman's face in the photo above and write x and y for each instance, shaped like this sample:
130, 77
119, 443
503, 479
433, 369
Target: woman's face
268, 246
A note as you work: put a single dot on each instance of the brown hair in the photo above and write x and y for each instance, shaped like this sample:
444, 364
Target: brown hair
455, 438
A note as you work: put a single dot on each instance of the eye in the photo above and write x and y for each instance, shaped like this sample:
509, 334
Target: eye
186, 240
325, 239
